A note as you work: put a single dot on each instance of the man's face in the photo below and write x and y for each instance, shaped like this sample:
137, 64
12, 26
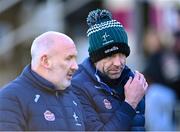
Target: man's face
112, 66
63, 65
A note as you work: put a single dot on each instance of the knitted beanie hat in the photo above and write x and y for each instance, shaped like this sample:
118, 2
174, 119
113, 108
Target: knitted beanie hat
106, 36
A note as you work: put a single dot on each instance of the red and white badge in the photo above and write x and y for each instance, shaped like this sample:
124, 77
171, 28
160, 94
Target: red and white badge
49, 116
107, 104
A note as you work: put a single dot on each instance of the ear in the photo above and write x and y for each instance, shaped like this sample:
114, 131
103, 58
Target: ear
45, 62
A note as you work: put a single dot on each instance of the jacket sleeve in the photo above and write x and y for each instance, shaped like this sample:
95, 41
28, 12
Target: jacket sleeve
11, 117
121, 119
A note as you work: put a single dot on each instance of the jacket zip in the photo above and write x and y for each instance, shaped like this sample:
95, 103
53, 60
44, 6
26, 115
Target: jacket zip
62, 108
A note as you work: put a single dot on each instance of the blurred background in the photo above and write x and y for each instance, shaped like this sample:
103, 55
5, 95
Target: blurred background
153, 28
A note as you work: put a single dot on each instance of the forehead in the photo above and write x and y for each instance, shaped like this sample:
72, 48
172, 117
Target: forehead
70, 50
63, 45
66, 49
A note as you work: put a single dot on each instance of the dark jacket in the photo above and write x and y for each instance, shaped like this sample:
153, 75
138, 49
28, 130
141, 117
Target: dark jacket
31, 103
104, 106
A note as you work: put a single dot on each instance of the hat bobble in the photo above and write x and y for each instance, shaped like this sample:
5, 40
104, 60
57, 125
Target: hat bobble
97, 16
106, 36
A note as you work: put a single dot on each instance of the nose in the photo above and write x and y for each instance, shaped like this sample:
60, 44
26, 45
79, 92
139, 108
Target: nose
74, 65
118, 60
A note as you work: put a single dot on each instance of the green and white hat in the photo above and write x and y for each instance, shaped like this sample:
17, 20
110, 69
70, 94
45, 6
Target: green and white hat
106, 36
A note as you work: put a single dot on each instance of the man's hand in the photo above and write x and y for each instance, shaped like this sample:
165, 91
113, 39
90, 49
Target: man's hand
135, 89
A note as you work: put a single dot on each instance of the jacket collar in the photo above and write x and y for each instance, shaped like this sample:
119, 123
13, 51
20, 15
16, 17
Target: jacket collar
89, 67
36, 79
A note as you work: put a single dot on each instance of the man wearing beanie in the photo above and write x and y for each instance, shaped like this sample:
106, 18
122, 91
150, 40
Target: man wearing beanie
111, 94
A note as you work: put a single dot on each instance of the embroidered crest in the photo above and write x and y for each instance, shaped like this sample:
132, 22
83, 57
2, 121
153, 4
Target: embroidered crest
106, 39
107, 104
105, 36
49, 116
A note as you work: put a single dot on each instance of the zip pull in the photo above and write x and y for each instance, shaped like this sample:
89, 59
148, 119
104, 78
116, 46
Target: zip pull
57, 94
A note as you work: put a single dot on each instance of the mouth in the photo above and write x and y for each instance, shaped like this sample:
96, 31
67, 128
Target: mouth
116, 70
69, 76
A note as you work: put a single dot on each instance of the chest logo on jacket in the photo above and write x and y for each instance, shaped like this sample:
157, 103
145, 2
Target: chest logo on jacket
49, 116
107, 104
37, 96
74, 102
76, 119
